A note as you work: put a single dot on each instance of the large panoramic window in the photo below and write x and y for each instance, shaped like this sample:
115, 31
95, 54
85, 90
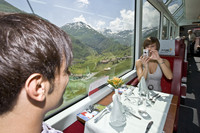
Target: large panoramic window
102, 33
151, 20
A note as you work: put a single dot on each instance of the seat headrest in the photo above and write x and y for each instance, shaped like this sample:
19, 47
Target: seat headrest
167, 47
171, 47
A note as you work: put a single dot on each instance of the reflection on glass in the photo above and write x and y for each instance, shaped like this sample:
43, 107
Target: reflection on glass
102, 33
151, 19
165, 28
174, 5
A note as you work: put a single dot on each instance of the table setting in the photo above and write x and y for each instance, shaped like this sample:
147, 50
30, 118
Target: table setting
137, 109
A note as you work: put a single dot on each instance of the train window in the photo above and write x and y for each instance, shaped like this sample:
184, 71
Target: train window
102, 34
165, 28
179, 14
151, 20
174, 5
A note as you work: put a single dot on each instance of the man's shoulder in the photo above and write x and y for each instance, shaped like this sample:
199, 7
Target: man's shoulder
193, 35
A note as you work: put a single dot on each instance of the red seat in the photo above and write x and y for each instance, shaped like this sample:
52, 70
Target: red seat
173, 86
76, 127
180, 51
133, 82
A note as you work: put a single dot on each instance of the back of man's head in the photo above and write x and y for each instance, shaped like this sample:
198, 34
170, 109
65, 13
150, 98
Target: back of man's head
28, 45
189, 31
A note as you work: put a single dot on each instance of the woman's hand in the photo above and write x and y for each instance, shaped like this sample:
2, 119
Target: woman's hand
154, 55
144, 61
142, 67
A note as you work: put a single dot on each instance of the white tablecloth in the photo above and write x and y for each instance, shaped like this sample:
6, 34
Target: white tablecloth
156, 112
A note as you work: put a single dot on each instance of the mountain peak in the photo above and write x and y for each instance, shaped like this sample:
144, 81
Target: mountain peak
78, 25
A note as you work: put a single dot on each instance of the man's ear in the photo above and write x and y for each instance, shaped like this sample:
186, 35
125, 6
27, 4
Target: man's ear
35, 87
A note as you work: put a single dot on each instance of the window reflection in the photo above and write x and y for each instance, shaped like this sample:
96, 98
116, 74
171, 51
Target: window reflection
151, 20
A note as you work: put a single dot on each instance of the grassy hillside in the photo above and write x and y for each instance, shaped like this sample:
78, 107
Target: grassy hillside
80, 50
6, 7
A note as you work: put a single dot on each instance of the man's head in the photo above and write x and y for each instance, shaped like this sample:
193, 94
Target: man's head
189, 31
29, 45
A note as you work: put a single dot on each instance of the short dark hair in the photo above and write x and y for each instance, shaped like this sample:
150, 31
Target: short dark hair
151, 40
28, 44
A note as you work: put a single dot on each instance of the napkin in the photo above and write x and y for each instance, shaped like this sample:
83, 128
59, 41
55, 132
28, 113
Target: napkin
143, 90
117, 117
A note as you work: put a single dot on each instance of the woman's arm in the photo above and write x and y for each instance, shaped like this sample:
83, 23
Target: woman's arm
165, 66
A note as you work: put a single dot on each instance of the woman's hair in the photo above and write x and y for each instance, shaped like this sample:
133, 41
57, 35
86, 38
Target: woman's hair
28, 44
151, 40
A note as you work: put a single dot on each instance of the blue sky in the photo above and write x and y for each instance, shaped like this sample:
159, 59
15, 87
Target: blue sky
113, 14
116, 15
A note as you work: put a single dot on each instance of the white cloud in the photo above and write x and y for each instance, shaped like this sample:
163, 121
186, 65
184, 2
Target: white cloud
173, 8
128, 19
116, 25
151, 16
125, 22
106, 17
72, 9
83, 3
99, 26
80, 18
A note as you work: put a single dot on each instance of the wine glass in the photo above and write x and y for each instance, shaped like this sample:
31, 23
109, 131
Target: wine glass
142, 103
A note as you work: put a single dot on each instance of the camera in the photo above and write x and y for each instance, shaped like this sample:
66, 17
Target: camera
145, 52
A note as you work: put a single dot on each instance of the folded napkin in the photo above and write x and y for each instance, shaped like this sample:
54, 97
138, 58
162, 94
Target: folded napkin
117, 117
143, 90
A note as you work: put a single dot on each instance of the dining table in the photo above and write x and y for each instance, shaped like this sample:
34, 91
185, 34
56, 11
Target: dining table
161, 113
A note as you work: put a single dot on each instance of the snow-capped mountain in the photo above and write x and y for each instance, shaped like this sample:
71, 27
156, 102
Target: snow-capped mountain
78, 26
104, 41
90, 37
149, 31
123, 37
